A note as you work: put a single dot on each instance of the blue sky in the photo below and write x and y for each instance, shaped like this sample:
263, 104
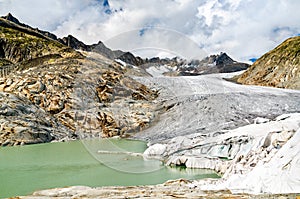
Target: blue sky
242, 28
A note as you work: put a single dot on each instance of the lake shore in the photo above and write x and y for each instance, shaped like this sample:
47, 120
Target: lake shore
257, 153
248, 175
171, 189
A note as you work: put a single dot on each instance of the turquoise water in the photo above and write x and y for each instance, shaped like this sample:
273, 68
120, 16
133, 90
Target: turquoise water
25, 169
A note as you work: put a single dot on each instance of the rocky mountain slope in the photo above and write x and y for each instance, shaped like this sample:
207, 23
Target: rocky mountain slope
52, 92
278, 68
221, 63
176, 66
82, 89
10, 18
100, 48
72, 42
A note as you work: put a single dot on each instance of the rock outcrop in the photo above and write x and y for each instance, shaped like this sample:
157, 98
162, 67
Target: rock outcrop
100, 48
11, 18
22, 122
86, 93
278, 68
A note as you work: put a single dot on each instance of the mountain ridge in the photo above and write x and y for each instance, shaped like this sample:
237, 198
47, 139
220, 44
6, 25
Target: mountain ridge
11, 18
183, 67
279, 67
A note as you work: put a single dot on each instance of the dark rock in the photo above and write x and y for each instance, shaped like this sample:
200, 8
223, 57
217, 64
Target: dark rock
11, 18
223, 59
154, 60
131, 59
74, 43
102, 49
2, 53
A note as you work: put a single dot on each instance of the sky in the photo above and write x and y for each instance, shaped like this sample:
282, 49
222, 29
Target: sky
244, 29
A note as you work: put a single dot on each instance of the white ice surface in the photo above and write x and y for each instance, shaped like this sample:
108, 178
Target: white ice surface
280, 175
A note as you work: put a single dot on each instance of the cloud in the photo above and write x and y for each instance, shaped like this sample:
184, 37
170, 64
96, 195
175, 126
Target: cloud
46, 14
157, 41
242, 28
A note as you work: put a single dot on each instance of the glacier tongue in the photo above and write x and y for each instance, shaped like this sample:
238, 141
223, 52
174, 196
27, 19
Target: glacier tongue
247, 133
209, 105
280, 175
256, 158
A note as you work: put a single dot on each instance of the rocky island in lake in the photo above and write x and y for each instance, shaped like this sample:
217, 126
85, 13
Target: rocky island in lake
238, 121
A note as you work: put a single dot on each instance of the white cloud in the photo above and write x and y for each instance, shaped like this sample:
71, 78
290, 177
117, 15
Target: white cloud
243, 28
46, 14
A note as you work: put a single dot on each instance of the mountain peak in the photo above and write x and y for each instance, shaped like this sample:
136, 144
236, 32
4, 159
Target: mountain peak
223, 58
11, 18
10, 21
73, 42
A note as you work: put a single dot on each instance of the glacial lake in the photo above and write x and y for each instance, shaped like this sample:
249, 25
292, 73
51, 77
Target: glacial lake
25, 169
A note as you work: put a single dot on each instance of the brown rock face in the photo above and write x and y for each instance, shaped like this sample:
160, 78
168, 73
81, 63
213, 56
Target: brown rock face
277, 68
87, 97
78, 95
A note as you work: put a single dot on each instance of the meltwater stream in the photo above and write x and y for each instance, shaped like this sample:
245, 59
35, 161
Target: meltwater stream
25, 169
